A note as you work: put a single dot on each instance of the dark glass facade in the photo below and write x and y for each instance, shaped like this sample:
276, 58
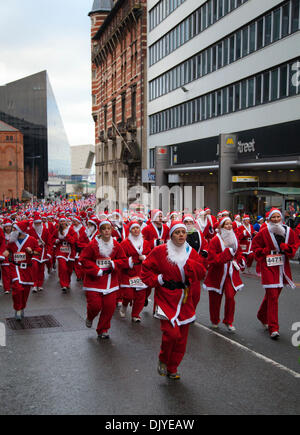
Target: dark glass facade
29, 105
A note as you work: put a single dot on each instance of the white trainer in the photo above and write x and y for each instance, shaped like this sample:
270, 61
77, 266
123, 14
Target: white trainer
123, 310
231, 328
274, 335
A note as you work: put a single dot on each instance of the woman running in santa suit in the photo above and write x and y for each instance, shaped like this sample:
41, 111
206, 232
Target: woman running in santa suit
20, 249
5, 265
172, 268
133, 289
225, 260
101, 262
65, 240
273, 246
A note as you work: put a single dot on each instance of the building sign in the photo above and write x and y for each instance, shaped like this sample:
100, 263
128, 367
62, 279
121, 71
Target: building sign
148, 176
245, 179
162, 151
246, 147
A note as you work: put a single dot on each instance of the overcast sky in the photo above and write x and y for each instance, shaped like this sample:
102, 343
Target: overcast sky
52, 35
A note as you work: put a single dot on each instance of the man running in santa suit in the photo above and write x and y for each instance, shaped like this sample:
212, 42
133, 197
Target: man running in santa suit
172, 268
5, 265
119, 228
273, 247
101, 262
156, 232
92, 228
245, 234
39, 231
133, 289
81, 242
20, 249
225, 260
65, 240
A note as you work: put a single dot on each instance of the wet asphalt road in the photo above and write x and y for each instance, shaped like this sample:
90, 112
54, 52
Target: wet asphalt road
66, 370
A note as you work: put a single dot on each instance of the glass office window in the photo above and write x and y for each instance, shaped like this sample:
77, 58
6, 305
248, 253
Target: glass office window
243, 94
225, 100
230, 99
238, 41
268, 27
260, 33
295, 15
231, 49
266, 87
225, 51
250, 92
245, 41
237, 95
252, 37
274, 85
285, 19
276, 25
283, 81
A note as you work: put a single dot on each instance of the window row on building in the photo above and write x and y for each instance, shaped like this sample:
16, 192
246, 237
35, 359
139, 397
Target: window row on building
202, 18
161, 11
268, 86
265, 30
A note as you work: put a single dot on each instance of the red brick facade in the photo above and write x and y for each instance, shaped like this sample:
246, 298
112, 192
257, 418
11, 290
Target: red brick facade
11, 163
119, 91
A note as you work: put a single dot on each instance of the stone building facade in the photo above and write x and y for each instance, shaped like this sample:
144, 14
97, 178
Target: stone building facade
118, 36
11, 163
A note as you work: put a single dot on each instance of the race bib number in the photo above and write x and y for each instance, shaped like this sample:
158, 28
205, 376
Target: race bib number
136, 282
244, 247
274, 260
104, 263
19, 257
65, 249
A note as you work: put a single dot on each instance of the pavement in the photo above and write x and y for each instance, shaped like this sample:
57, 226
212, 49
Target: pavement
66, 370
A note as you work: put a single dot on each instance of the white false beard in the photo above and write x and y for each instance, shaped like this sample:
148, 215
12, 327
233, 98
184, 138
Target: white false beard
228, 238
38, 229
277, 229
13, 236
202, 222
177, 254
105, 248
90, 231
137, 242
77, 228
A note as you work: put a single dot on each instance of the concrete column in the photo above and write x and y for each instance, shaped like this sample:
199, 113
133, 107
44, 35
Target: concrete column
161, 163
227, 154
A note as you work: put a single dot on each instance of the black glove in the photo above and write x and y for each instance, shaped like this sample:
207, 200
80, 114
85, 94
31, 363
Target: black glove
107, 272
204, 254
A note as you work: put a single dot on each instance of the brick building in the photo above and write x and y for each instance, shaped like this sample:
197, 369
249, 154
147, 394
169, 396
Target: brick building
119, 32
11, 163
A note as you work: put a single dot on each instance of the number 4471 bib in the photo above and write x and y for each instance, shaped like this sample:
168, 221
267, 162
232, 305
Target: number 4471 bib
274, 260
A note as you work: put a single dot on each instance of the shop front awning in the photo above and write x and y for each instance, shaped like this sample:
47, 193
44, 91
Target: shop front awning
281, 191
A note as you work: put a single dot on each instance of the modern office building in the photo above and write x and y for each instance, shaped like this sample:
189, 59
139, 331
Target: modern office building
224, 101
118, 42
29, 105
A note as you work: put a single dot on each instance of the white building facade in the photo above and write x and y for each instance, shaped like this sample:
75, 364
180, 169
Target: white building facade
224, 100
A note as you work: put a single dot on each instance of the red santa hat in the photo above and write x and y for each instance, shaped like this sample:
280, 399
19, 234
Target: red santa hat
175, 225
21, 226
133, 224
223, 220
273, 211
104, 222
245, 217
62, 219
154, 214
7, 222
37, 218
76, 218
118, 213
93, 220
188, 217
225, 213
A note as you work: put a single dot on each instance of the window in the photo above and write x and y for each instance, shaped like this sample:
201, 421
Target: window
238, 45
231, 49
224, 100
260, 33
285, 19
252, 38
245, 41
230, 101
283, 82
266, 87
276, 25
295, 15
274, 85
244, 94
251, 92
268, 26
237, 97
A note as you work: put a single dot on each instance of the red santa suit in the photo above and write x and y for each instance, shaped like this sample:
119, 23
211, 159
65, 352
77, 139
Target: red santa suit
245, 235
82, 241
5, 264
41, 234
156, 235
133, 289
171, 270
206, 224
65, 254
21, 266
273, 253
223, 277
101, 263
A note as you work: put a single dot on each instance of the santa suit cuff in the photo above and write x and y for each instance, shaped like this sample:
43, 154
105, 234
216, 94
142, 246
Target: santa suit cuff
100, 273
232, 252
160, 280
130, 262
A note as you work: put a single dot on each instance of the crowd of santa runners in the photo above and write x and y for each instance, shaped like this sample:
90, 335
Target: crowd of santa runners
121, 260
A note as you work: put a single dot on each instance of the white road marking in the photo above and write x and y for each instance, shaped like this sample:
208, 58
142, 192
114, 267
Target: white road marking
256, 354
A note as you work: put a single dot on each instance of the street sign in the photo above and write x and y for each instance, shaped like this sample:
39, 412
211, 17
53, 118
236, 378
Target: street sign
245, 179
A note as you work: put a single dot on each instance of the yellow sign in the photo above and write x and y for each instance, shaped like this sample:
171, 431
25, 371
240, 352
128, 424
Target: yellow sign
230, 141
245, 179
